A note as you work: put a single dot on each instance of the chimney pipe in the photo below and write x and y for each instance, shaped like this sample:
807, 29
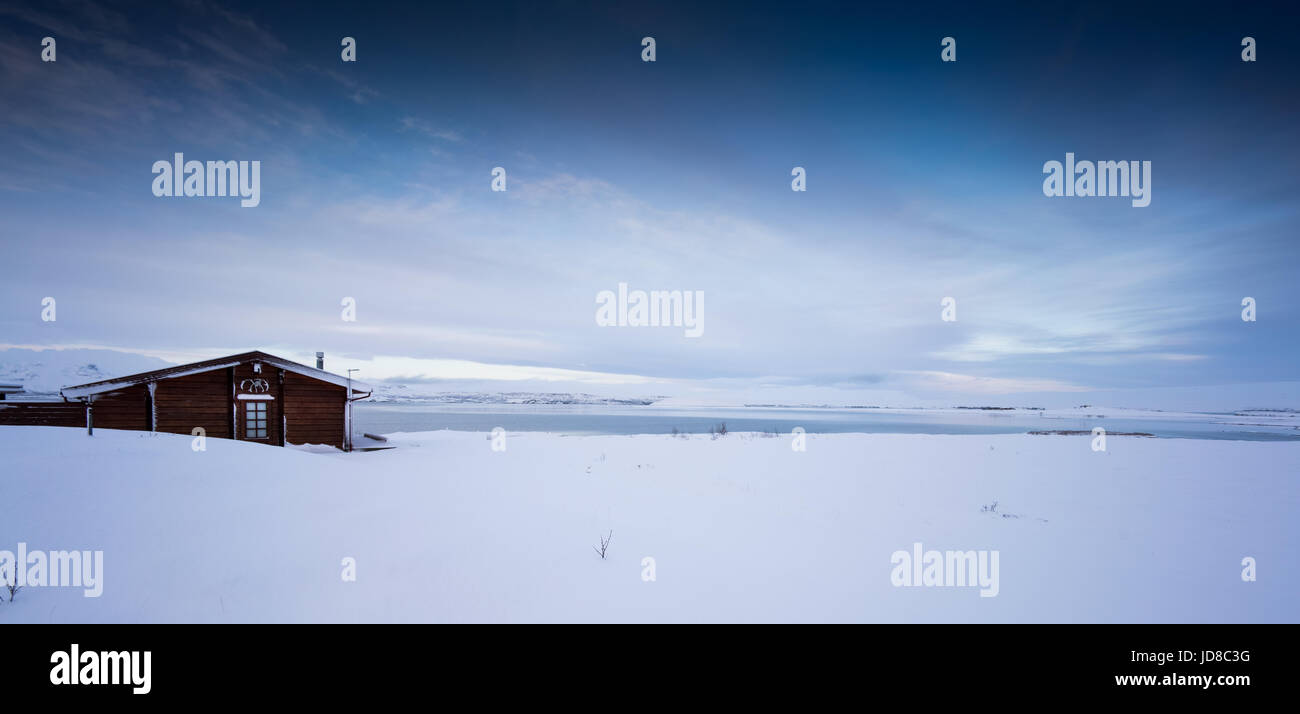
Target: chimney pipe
320, 360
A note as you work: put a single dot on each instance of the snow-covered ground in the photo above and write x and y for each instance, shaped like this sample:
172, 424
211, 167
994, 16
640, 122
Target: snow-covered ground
741, 528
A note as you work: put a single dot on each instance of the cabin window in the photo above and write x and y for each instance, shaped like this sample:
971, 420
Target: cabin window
255, 420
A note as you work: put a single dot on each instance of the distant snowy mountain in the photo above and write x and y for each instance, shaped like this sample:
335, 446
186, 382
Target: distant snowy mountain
403, 394
43, 372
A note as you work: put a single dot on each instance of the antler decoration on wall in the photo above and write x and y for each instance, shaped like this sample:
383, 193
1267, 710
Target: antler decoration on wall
257, 386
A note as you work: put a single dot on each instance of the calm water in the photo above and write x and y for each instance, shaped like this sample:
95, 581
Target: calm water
621, 420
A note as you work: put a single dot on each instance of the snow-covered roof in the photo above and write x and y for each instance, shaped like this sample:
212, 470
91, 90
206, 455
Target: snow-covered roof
184, 370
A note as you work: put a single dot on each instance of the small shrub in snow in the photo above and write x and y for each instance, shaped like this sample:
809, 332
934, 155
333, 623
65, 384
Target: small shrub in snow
12, 587
604, 545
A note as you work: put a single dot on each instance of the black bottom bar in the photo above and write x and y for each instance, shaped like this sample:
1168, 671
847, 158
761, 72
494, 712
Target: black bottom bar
977, 665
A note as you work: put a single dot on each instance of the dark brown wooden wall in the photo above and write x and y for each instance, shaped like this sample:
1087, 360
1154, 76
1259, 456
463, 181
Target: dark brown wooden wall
124, 409
42, 414
201, 400
314, 410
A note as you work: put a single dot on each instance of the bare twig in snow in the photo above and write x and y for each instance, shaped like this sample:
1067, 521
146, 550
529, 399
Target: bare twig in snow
604, 545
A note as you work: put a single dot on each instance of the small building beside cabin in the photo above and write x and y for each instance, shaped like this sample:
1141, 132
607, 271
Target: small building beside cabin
252, 396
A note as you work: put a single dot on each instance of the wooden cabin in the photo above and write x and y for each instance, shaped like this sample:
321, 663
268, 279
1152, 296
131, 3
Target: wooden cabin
252, 396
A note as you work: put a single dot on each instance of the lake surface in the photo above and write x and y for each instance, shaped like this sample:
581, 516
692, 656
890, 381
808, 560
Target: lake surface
624, 420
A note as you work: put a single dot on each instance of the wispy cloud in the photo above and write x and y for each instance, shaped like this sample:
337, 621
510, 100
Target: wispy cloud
932, 381
423, 127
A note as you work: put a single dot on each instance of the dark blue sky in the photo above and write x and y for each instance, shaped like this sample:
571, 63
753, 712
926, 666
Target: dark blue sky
924, 181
